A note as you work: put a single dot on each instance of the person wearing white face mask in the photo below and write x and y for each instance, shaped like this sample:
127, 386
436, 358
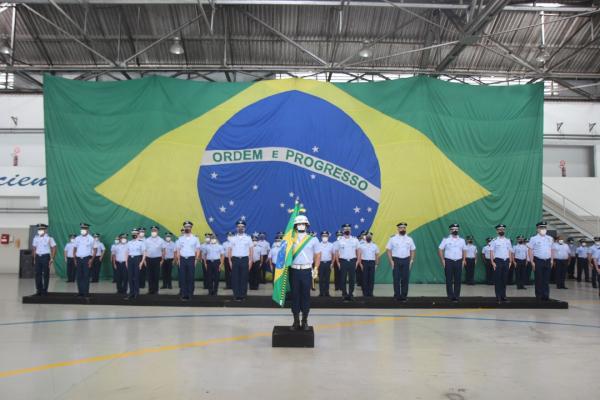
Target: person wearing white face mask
540, 252
501, 254
306, 256
227, 264
84, 254
167, 265
594, 259
561, 255
347, 255
326, 250
119, 261
112, 253
70, 258
583, 254
401, 253
144, 270
213, 255
274, 251
43, 250
207, 238
154, 258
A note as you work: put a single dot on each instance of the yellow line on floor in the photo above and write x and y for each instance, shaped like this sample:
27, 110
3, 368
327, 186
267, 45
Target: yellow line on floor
209, 342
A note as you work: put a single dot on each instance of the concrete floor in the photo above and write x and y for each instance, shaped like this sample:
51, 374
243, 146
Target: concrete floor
102, 352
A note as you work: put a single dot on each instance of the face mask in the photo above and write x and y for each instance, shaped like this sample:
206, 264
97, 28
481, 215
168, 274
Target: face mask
542, 232
168, 238
240, 230
561, 241
134, 236
346, 233
206, 240
123, 240
230, 238
72, 240
154, 234
213, 241
520, 242
255, 243
40, 232
583, 245
116, 241
368, 240
301, 228
276, 244
141, 234
500, 233
470, 242
454, 233
83, 232
402, 232
187, 230
325, 239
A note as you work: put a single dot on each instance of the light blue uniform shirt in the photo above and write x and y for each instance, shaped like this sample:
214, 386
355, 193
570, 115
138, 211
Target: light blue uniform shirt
43, 244
486, 251
274, 253
326, 250
169, 250
264, 247
502, 247
541, 246
84, 245
572, 250
120, 252
453, 247
307, 254
583, 251
257, 249
400, 245
214, 251
561, 251
595, 252
69, 249
99, 246
471, 251
187, 245
154, 247
520, 251
368, 251
347, 247
136, 247
240, 245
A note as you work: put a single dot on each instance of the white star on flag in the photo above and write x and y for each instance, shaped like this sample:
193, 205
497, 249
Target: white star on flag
231, 202
291, 194
362, 220
255, 187
243, 217
355, 226
281, 205
315, 149
222, 208
312, 176
356, 210
214, 175
211, 219
369, 209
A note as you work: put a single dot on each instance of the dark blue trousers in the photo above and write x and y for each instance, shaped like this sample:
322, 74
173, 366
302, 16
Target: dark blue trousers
95, 271
521, 270
212, 272
324, 277
489, 272
561, 273
301, 285
187, 269
167, 271
368, 274
121, 277
542, 278
42, 273
500, 278
153, 270
133, 273
239, 277
453, 269
71, 267
401, 275
582, 269
347, 272
470, 271
83, 275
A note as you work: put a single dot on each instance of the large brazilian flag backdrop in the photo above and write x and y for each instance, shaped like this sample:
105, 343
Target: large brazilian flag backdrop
420, 150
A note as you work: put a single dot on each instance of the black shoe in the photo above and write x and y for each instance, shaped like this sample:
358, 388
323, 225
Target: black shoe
505, 300
403, 300
296, 324
305, 324
455, 300
327, 295
163, 287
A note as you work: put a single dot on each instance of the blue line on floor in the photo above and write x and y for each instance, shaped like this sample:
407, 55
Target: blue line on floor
317, 315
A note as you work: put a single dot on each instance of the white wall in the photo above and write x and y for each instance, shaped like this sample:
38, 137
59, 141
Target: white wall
9, 253
585, 192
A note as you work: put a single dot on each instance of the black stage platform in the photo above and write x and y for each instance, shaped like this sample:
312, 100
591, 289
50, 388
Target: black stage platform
166, 300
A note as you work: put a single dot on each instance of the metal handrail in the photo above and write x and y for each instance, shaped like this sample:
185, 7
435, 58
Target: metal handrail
565, 199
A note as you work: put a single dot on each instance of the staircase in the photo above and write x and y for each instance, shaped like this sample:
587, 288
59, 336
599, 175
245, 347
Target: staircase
567, 217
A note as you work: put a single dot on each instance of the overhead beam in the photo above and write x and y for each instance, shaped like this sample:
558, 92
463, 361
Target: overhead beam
471, 31
574, 89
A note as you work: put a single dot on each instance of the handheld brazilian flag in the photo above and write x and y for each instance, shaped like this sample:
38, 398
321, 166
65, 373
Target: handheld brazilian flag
281, 283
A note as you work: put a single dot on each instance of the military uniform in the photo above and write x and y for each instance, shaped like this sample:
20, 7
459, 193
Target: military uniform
452, 249
264, 255
207, 237
188, 252
327, 255
336, 263
561, 254
254, 273
155, 248
239, 253
401, 249
471, 259
501, 255
368, 261
347, 252
227, 266
143, 274
167, 265
487, 262
70, 258
572, 258
595, 261
520, 254
214, 253
583, 254
112, 253
540, 247
44, 249
84, 251
97, 260
136, 250
120, 264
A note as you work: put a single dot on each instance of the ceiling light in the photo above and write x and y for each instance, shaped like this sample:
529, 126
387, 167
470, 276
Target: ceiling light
4, 47
366, 51
543, 56
176, 47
